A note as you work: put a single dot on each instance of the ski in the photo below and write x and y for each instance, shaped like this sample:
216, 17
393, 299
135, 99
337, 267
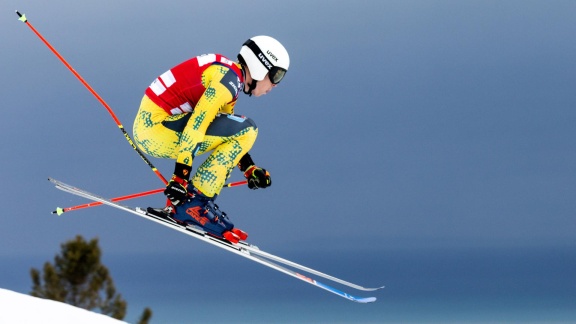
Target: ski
273, 257
243, 249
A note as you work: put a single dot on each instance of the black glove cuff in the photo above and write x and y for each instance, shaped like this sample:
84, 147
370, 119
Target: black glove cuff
182, 171
245, 162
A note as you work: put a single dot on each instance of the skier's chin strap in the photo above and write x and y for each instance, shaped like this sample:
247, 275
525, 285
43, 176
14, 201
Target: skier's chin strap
251, 87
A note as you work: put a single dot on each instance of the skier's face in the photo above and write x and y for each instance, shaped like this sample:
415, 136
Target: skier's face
263, 87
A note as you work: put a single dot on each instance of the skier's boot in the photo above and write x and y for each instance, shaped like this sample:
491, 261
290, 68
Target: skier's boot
201, 210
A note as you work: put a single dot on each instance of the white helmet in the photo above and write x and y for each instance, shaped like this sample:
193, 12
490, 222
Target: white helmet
264, 54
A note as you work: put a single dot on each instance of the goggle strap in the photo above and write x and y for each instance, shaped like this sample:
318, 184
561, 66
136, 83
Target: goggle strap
259, 54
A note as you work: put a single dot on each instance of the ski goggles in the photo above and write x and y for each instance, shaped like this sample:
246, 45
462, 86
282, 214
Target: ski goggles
275, 73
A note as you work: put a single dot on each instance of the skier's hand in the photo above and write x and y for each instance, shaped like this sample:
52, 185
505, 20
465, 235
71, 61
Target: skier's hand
176, 190
257, 177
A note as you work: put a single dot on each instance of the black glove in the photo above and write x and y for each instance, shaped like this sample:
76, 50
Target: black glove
176, 190
257, 177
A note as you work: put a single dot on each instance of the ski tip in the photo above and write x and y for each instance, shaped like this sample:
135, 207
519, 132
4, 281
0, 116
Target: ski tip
370, 289
59, 211
366, 300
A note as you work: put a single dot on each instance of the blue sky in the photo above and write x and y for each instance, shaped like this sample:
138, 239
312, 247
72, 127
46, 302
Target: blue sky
400, 124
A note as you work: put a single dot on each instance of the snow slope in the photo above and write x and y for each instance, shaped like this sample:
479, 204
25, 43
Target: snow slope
16, 308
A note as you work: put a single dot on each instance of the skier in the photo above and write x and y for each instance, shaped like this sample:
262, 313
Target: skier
189, 110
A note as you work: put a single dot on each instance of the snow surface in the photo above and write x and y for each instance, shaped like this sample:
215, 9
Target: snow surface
17, 308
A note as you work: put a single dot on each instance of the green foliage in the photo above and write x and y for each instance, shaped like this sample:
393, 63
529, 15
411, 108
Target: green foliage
146, 316
77, 277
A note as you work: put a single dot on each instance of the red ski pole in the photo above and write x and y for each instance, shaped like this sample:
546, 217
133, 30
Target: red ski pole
128, 138
61, 211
